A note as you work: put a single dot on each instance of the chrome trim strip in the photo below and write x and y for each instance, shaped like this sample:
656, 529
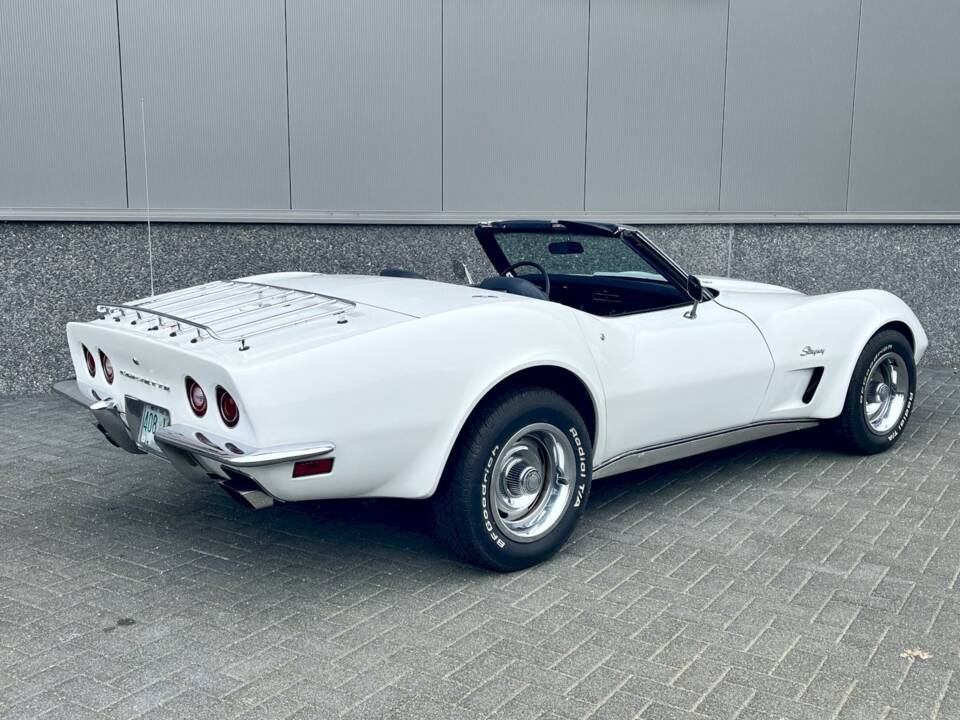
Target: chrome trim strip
679, 449
234, 454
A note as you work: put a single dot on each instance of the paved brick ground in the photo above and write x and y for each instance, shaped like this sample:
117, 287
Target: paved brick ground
774, 580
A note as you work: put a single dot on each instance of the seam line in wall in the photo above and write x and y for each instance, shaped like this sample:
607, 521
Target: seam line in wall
723, 108
586, 108
123, 119
853, 108
286, 78
443, 140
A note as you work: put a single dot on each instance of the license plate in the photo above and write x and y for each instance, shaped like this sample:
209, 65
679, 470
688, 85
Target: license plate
153, 419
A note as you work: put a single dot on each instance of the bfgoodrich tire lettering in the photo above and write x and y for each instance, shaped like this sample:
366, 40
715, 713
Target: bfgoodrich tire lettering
880, 397
517, 480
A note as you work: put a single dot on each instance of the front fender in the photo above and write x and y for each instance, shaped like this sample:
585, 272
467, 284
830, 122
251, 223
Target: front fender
798, 328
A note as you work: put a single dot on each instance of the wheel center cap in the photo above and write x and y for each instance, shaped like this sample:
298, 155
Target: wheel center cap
523, 480
531, 481
883, 392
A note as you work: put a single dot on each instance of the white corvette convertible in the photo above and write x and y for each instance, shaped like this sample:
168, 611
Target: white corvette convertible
501, 401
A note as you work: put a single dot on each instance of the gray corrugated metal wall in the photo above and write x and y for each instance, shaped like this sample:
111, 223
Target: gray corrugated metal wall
432, 110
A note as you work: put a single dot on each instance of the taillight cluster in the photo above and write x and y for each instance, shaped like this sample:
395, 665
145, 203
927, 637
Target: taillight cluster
229, 410
197, 398
107, 367
105, 363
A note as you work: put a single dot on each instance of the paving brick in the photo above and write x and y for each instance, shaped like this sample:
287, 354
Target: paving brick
774, 580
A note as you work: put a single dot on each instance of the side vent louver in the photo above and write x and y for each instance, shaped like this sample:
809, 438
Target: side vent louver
812, 385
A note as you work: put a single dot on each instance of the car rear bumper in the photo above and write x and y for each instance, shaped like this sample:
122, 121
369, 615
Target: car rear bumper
241, 469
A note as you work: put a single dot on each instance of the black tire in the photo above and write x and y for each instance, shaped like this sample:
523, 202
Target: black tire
850, 431
464, 503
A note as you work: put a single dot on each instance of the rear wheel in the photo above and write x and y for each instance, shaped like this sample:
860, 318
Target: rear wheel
880, 396
517, 481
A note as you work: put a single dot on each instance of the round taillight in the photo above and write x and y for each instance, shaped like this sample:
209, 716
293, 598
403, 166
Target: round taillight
197, 398
107, 367
91, 362
229, 412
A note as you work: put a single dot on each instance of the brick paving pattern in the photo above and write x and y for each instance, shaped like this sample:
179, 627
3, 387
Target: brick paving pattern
775, 580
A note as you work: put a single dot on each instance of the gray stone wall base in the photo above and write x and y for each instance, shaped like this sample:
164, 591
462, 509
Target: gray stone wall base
51, 273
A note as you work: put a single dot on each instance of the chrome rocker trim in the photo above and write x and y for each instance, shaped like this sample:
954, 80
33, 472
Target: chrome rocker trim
687, 447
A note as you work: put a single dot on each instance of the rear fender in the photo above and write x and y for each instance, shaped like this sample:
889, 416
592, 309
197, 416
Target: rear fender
395, 401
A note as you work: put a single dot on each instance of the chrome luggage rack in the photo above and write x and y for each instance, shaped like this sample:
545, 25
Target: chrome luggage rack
228, 310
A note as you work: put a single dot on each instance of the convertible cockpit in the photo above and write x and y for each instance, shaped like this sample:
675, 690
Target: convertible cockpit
600, 269
597, 268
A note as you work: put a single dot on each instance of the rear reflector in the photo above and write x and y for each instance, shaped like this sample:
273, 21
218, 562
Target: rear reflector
306, 468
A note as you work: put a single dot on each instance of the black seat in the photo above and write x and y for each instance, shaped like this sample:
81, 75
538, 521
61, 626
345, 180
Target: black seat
514, 286
400, 273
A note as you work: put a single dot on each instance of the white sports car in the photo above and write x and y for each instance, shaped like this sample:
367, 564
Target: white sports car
501, 401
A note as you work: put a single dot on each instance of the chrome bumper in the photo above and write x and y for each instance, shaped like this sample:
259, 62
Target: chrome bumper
185, 447
185, 439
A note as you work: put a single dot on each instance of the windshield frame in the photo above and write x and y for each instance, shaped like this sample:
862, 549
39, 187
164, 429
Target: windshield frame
638, 242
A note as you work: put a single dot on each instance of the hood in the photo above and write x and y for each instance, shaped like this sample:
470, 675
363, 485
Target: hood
407, 296
730, 285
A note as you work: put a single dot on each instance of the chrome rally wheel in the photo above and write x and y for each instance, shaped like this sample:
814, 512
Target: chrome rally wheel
886, 393
880, 396
517, 481
531, 485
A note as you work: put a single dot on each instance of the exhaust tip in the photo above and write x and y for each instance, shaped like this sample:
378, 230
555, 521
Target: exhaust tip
245, 490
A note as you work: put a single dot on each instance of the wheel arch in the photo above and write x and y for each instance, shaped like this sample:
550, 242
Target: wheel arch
900, 327
562, 380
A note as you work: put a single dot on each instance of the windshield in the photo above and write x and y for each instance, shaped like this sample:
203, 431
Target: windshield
572, 254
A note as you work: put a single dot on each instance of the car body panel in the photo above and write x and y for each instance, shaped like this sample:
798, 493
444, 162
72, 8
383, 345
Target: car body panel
393, 400
392, 377
407, 296
666, 376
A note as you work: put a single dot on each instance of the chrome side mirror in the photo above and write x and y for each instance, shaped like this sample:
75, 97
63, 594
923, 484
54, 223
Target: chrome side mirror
461, 272
695, 291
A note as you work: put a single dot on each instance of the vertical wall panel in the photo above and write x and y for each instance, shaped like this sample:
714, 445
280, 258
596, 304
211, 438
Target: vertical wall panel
365, 104
656, 101
60, 117
906, 138
789, 104
212, 75
514, 103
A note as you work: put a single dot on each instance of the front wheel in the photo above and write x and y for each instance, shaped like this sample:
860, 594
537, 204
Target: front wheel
880, 397
517, 481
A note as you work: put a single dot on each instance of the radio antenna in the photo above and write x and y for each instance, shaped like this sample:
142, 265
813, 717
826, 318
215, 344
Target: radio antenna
146, 186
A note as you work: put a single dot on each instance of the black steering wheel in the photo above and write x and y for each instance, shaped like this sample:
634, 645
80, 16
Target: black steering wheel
529, 263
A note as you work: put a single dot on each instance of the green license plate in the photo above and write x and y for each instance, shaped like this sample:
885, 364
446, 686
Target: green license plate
153, 419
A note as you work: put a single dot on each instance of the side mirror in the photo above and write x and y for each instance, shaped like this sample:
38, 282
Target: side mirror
461, 272
695, 291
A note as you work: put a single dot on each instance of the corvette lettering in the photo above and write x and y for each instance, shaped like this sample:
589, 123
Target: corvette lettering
145, 381
808, 351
